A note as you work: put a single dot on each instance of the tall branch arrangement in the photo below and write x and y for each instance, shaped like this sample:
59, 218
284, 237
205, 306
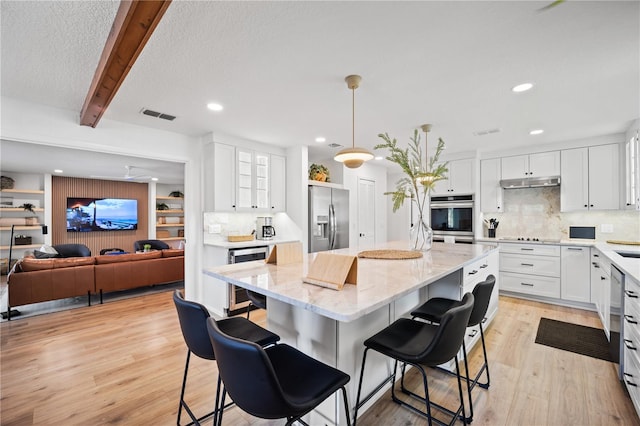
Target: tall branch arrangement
421, 173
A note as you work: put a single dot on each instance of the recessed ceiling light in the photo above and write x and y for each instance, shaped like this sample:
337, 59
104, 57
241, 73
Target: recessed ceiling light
536, 132
320, 139
378, 157
154, 179
58, 171
215, 107
522, 87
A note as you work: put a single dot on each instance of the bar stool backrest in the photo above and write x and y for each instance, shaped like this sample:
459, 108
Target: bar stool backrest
193, 322
448, 339
482, 293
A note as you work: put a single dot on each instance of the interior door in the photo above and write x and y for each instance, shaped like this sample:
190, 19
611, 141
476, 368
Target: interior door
366, 213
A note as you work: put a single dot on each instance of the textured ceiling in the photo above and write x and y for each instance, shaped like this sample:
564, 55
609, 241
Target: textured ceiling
279, 68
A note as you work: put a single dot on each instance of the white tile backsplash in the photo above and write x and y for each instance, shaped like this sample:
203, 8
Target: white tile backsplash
535, 212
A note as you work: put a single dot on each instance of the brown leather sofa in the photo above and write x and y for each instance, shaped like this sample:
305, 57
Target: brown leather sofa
41, 280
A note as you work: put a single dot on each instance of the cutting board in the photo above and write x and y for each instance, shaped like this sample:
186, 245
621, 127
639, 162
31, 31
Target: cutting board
627, 243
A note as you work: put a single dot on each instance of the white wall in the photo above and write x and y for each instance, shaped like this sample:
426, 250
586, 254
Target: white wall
39, 124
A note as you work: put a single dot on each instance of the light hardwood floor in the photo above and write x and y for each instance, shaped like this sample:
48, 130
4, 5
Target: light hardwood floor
122, 362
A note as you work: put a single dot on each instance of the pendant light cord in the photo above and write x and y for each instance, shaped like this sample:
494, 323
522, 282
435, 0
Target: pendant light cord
353, 117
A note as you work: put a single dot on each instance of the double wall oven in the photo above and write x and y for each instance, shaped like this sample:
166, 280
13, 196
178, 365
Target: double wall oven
452, 216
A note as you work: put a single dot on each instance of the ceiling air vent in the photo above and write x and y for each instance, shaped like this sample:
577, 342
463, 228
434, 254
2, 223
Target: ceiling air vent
158, 114
486, 132
334, 145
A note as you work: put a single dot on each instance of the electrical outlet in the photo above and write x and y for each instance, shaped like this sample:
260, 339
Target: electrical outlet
606, 228
215, 229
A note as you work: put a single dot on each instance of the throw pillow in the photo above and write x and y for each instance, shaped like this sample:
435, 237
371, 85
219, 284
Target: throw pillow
48, 249
40, 255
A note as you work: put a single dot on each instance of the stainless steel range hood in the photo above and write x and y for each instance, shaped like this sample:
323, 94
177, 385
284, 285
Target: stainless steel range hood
534, 182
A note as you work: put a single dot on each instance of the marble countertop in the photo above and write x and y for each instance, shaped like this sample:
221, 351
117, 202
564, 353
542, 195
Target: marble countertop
218, 241
379, 281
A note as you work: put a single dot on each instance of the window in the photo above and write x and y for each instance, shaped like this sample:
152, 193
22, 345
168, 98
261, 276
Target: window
632, 169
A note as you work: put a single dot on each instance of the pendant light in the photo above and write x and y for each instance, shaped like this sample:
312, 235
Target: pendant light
353, 157
426, 176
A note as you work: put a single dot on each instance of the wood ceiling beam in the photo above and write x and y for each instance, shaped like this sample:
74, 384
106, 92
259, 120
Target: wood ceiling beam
132, 27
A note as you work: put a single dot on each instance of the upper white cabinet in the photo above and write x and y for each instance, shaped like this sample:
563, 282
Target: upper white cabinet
252, 174
490, 190
589, 178
541, 164
244, 180
278, 183
632, 171
460, 178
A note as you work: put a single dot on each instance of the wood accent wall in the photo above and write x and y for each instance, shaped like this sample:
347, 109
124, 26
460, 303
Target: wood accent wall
63, 187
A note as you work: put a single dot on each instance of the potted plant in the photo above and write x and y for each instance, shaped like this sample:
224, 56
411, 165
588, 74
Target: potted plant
318, 172
176, 194
28, 207
147, 247
162, 206
420, 176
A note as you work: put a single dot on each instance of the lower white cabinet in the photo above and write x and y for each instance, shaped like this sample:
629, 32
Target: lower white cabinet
631, 335
530, 269
601, 287
575, 274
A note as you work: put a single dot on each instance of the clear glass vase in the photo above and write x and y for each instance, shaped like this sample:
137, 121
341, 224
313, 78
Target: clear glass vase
421, 235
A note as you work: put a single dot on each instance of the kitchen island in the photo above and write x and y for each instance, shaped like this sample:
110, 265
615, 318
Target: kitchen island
331, 325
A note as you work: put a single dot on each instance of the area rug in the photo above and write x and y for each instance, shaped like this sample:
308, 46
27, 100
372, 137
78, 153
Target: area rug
575, 338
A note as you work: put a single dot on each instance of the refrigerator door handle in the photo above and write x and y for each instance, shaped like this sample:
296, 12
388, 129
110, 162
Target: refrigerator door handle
332, 227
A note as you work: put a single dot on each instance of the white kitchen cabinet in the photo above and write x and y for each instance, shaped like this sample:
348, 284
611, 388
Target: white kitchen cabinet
460, 178
541, 164
601, 287
220, 179
278, 191
530, 269
252, 177
575, 282
632, 171
589, 178
631, 344
490, 190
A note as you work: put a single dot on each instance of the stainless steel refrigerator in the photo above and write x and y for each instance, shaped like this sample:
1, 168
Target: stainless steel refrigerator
328, 218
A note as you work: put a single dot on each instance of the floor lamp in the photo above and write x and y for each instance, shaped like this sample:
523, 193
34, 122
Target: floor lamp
15, 312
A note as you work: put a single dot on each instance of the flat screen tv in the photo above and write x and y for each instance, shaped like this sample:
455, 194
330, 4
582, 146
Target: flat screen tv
101, 214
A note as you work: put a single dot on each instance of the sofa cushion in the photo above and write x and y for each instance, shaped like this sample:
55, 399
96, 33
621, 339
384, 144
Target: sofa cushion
101, 260
40, 255
29, 264
172, 252
72, 261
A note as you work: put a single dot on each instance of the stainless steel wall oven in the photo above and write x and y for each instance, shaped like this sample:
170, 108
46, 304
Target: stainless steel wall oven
452, 215
238, 300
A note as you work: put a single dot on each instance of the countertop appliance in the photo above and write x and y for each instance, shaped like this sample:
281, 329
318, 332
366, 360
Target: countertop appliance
616, 316
264, 228
452, 216
328, 218
238, 299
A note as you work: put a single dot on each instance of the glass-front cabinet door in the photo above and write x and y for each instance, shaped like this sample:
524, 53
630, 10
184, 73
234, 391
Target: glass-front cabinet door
253, 180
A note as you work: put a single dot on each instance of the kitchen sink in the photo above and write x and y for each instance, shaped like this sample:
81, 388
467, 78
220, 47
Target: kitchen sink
629, 254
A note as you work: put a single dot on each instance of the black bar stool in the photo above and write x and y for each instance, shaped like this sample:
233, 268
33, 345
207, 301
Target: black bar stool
274, 382
419, 344
434, 309
258, 300
193, 322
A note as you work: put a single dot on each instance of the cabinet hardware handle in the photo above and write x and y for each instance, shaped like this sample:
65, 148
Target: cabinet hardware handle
630, 319
595, 255
473, 333
586, 205
472, 272
602, 278
627, 343
527, 284
484, 319
590, 205
526, 249
595, 265
483, 266
574, 248
526, 264
631, 294
627, 381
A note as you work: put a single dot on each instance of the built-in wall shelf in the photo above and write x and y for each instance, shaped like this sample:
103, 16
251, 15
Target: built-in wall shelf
170, 198
20, 209
20, 227
172, 239
169, 225
22, 191
170, 211
21, 246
